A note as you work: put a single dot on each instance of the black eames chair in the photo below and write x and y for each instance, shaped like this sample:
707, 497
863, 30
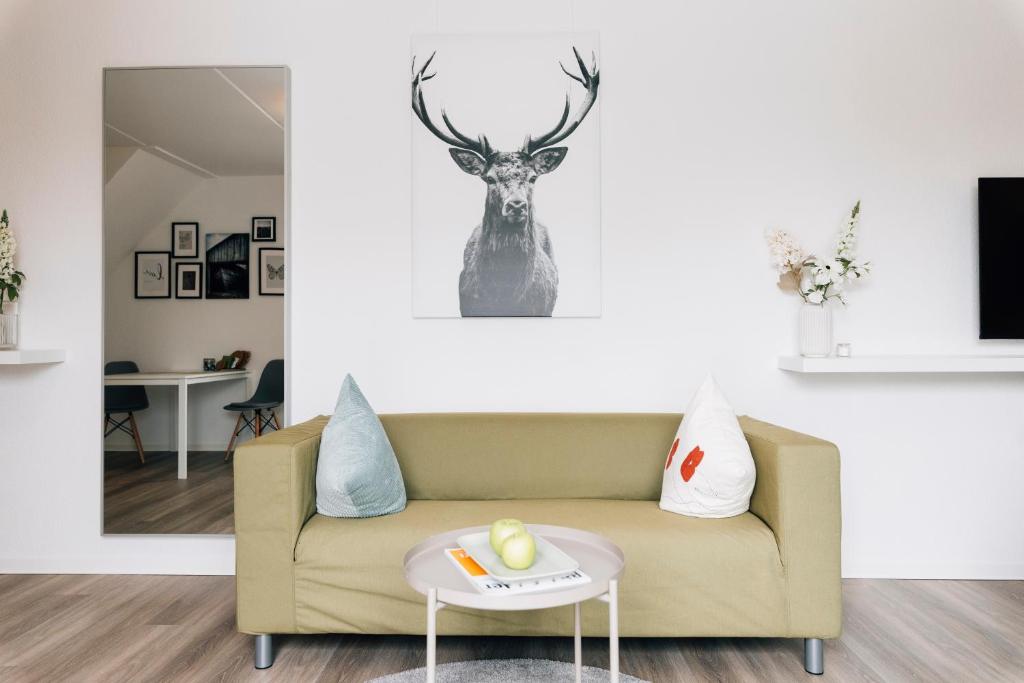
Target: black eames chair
121, 400
269, 395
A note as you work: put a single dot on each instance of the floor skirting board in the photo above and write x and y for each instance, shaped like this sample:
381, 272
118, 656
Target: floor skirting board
882, 569
161, 447
214, 555
220, 564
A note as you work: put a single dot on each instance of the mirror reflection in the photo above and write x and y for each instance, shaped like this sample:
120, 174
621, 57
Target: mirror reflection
194, 232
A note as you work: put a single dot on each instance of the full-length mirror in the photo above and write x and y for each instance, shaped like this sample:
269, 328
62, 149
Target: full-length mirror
194, 228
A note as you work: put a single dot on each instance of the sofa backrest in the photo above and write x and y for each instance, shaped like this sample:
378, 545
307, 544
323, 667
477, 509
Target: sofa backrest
496, 456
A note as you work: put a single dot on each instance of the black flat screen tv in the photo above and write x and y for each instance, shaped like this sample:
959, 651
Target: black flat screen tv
1001, 253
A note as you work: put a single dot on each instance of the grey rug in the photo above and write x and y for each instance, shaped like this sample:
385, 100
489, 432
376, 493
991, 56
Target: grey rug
505, 671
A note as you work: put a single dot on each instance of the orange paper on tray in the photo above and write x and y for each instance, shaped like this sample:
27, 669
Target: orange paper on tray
487, 584
467, 563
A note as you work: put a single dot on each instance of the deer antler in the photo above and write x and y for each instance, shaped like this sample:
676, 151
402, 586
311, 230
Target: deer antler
589, 79
457, 139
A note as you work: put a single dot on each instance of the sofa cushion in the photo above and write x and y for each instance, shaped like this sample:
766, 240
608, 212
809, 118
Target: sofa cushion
357, 474
721, 576
512, 456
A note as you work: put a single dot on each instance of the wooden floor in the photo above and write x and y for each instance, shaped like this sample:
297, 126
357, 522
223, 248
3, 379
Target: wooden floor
166, 628
150, 499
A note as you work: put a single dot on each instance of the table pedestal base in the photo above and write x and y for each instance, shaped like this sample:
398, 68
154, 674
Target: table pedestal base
611, 597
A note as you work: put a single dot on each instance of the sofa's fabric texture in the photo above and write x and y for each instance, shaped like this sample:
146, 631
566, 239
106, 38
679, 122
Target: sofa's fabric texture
709, 471
797, 495
719, 576
285, 586
275, 494
504, 456
357, 474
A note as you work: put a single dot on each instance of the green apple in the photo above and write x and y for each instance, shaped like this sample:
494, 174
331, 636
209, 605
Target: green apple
502, 529
519, 550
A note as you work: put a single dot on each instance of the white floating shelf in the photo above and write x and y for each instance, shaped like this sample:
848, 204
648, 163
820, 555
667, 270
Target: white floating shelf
902, 364
31, 356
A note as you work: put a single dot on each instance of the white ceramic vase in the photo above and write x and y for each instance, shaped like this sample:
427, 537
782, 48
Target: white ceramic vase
815, 330
8, 330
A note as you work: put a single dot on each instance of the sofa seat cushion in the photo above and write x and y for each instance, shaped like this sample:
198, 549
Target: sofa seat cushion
721, 576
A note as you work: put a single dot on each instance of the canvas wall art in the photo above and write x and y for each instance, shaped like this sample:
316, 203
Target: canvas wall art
506, 177
227, 265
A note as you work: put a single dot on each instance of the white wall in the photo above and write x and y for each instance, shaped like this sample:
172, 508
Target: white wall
718, 119
138, 195
176, 334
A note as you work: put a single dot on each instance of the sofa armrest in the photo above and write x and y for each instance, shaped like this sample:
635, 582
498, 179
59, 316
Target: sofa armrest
797, 496
275, 494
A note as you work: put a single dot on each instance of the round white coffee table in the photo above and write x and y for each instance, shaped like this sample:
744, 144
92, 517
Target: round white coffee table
429, 572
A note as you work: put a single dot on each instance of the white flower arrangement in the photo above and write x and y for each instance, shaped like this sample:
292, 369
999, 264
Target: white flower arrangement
815, 279
10, 279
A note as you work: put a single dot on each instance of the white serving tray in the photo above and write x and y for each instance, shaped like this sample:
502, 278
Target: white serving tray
550, 561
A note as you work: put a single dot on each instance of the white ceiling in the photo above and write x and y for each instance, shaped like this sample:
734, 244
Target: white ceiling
210, 121
140, 193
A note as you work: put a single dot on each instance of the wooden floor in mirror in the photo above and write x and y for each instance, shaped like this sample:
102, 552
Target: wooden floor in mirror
150, 499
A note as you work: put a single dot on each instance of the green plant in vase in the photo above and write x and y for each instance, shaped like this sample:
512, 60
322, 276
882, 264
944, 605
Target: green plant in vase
11, 280
818, 280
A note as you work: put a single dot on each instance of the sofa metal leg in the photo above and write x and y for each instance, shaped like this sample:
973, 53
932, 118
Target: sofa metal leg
264, 652
814, 656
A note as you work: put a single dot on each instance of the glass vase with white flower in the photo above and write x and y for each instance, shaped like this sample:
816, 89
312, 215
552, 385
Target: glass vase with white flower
818, 280
10, 284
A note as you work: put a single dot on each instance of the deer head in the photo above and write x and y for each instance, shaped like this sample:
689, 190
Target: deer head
510, 176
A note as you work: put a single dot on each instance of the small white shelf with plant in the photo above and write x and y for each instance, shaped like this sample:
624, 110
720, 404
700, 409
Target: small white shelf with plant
31, 356
922, 364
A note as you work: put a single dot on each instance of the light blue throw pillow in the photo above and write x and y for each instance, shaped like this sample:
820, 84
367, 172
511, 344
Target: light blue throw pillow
357, 473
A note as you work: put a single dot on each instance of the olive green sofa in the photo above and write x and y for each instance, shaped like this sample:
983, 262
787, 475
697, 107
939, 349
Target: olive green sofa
773, 571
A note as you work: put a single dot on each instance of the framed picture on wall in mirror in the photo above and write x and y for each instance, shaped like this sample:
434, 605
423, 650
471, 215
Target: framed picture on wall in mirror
152, 275
271, 271
227, 265
264, 229
188, 280
185, 240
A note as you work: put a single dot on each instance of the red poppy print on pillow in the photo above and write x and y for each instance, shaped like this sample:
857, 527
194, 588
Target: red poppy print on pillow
689, 465
675, 445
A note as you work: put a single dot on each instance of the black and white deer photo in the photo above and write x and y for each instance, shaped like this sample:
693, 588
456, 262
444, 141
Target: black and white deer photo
506, 206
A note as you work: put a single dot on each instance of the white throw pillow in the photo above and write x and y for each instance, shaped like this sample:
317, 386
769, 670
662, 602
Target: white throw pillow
709, 471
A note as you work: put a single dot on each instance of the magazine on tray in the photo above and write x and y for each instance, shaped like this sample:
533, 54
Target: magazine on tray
487, 584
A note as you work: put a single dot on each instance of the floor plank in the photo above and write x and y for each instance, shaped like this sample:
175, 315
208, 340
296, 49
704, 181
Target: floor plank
182, 628
150, 499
